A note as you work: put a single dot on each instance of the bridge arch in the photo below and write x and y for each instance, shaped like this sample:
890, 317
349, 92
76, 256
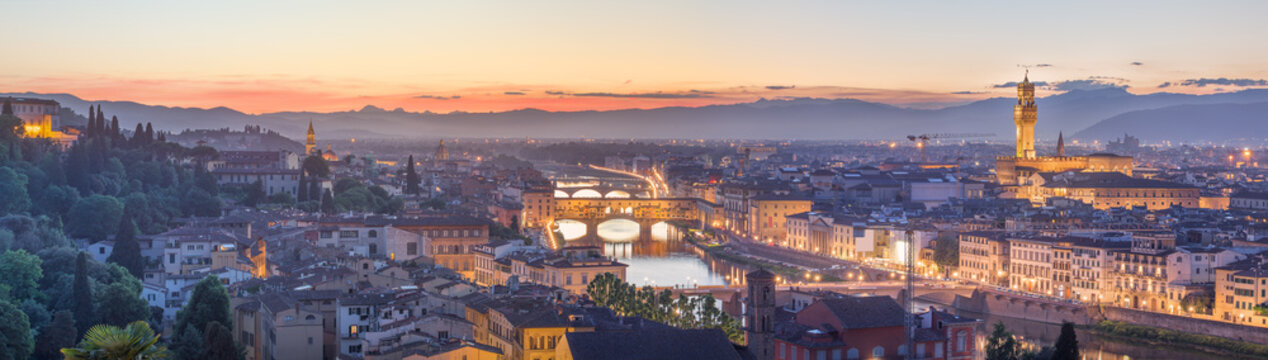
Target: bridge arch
572, 229
618, 230
587, 194
659, 231
561, 194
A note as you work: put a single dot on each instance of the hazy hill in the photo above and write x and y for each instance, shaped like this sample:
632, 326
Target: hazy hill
1189, 123
796, 118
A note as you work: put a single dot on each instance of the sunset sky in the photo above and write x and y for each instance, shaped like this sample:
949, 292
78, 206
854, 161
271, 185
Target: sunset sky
579, 55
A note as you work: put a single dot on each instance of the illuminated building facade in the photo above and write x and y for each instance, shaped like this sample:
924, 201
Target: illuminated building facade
1011, 171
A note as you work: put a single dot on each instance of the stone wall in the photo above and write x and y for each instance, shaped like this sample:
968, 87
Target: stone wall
1187, 324
1024, 307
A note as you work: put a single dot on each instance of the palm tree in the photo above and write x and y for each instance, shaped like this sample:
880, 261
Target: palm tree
134, 342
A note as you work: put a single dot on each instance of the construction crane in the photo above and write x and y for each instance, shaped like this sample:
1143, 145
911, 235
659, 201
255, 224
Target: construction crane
922, 140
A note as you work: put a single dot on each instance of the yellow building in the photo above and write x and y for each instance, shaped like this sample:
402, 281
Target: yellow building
1115, 190
768, 216
39, 119
1241, 290
526, 329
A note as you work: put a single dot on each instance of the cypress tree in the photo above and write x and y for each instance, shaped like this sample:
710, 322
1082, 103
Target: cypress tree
301, 193
101, 122
138, 138
160, 137
218, 343
127, 252
411, 178
149, 133
92, 121
314, 190
1067, 346
327, 203
114, 126
81, 296
55, 336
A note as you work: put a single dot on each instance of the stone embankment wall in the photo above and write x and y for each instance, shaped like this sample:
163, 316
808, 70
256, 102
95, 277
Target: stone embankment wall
1040, 310
1024, 307
1188, 324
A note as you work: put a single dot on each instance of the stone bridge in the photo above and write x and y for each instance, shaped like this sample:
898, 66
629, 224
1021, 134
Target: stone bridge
592, 212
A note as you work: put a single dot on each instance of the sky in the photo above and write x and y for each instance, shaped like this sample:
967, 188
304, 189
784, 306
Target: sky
476, 56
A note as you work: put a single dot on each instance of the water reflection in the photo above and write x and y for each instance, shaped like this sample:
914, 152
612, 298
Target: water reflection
660, 259
621, 230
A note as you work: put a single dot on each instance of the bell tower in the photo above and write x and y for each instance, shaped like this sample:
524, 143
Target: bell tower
1025, 115
311, 144
761, 314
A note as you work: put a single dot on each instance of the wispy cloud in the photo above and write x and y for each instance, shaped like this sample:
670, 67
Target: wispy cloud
1091, 83
780, 87
438, 97
1088, 84
1012, 84
1203, 82
966, 92
552, 92
657, 95
1137, 63
513, 93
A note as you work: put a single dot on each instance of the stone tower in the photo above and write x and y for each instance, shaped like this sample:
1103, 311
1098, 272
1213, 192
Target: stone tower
1060, 144
761, 314
311, 144
1025, 114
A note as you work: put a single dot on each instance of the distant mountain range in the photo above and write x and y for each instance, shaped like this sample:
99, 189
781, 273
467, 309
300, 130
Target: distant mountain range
1085, 114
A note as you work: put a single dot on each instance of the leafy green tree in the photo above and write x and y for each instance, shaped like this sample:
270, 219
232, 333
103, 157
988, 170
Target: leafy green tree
95, 217
36, 313
10, 136
255, 194
201, 154
31, 234
946, 251
127, 251
56, 201
206, 181
59, 334
283, 198
133, 342
1001, 345
218, 344
16, 342
411, 178
316, 166
187, 345
208, 303
125, 305
81, 296
198, 202
1067, 346
21, 275
13, 186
